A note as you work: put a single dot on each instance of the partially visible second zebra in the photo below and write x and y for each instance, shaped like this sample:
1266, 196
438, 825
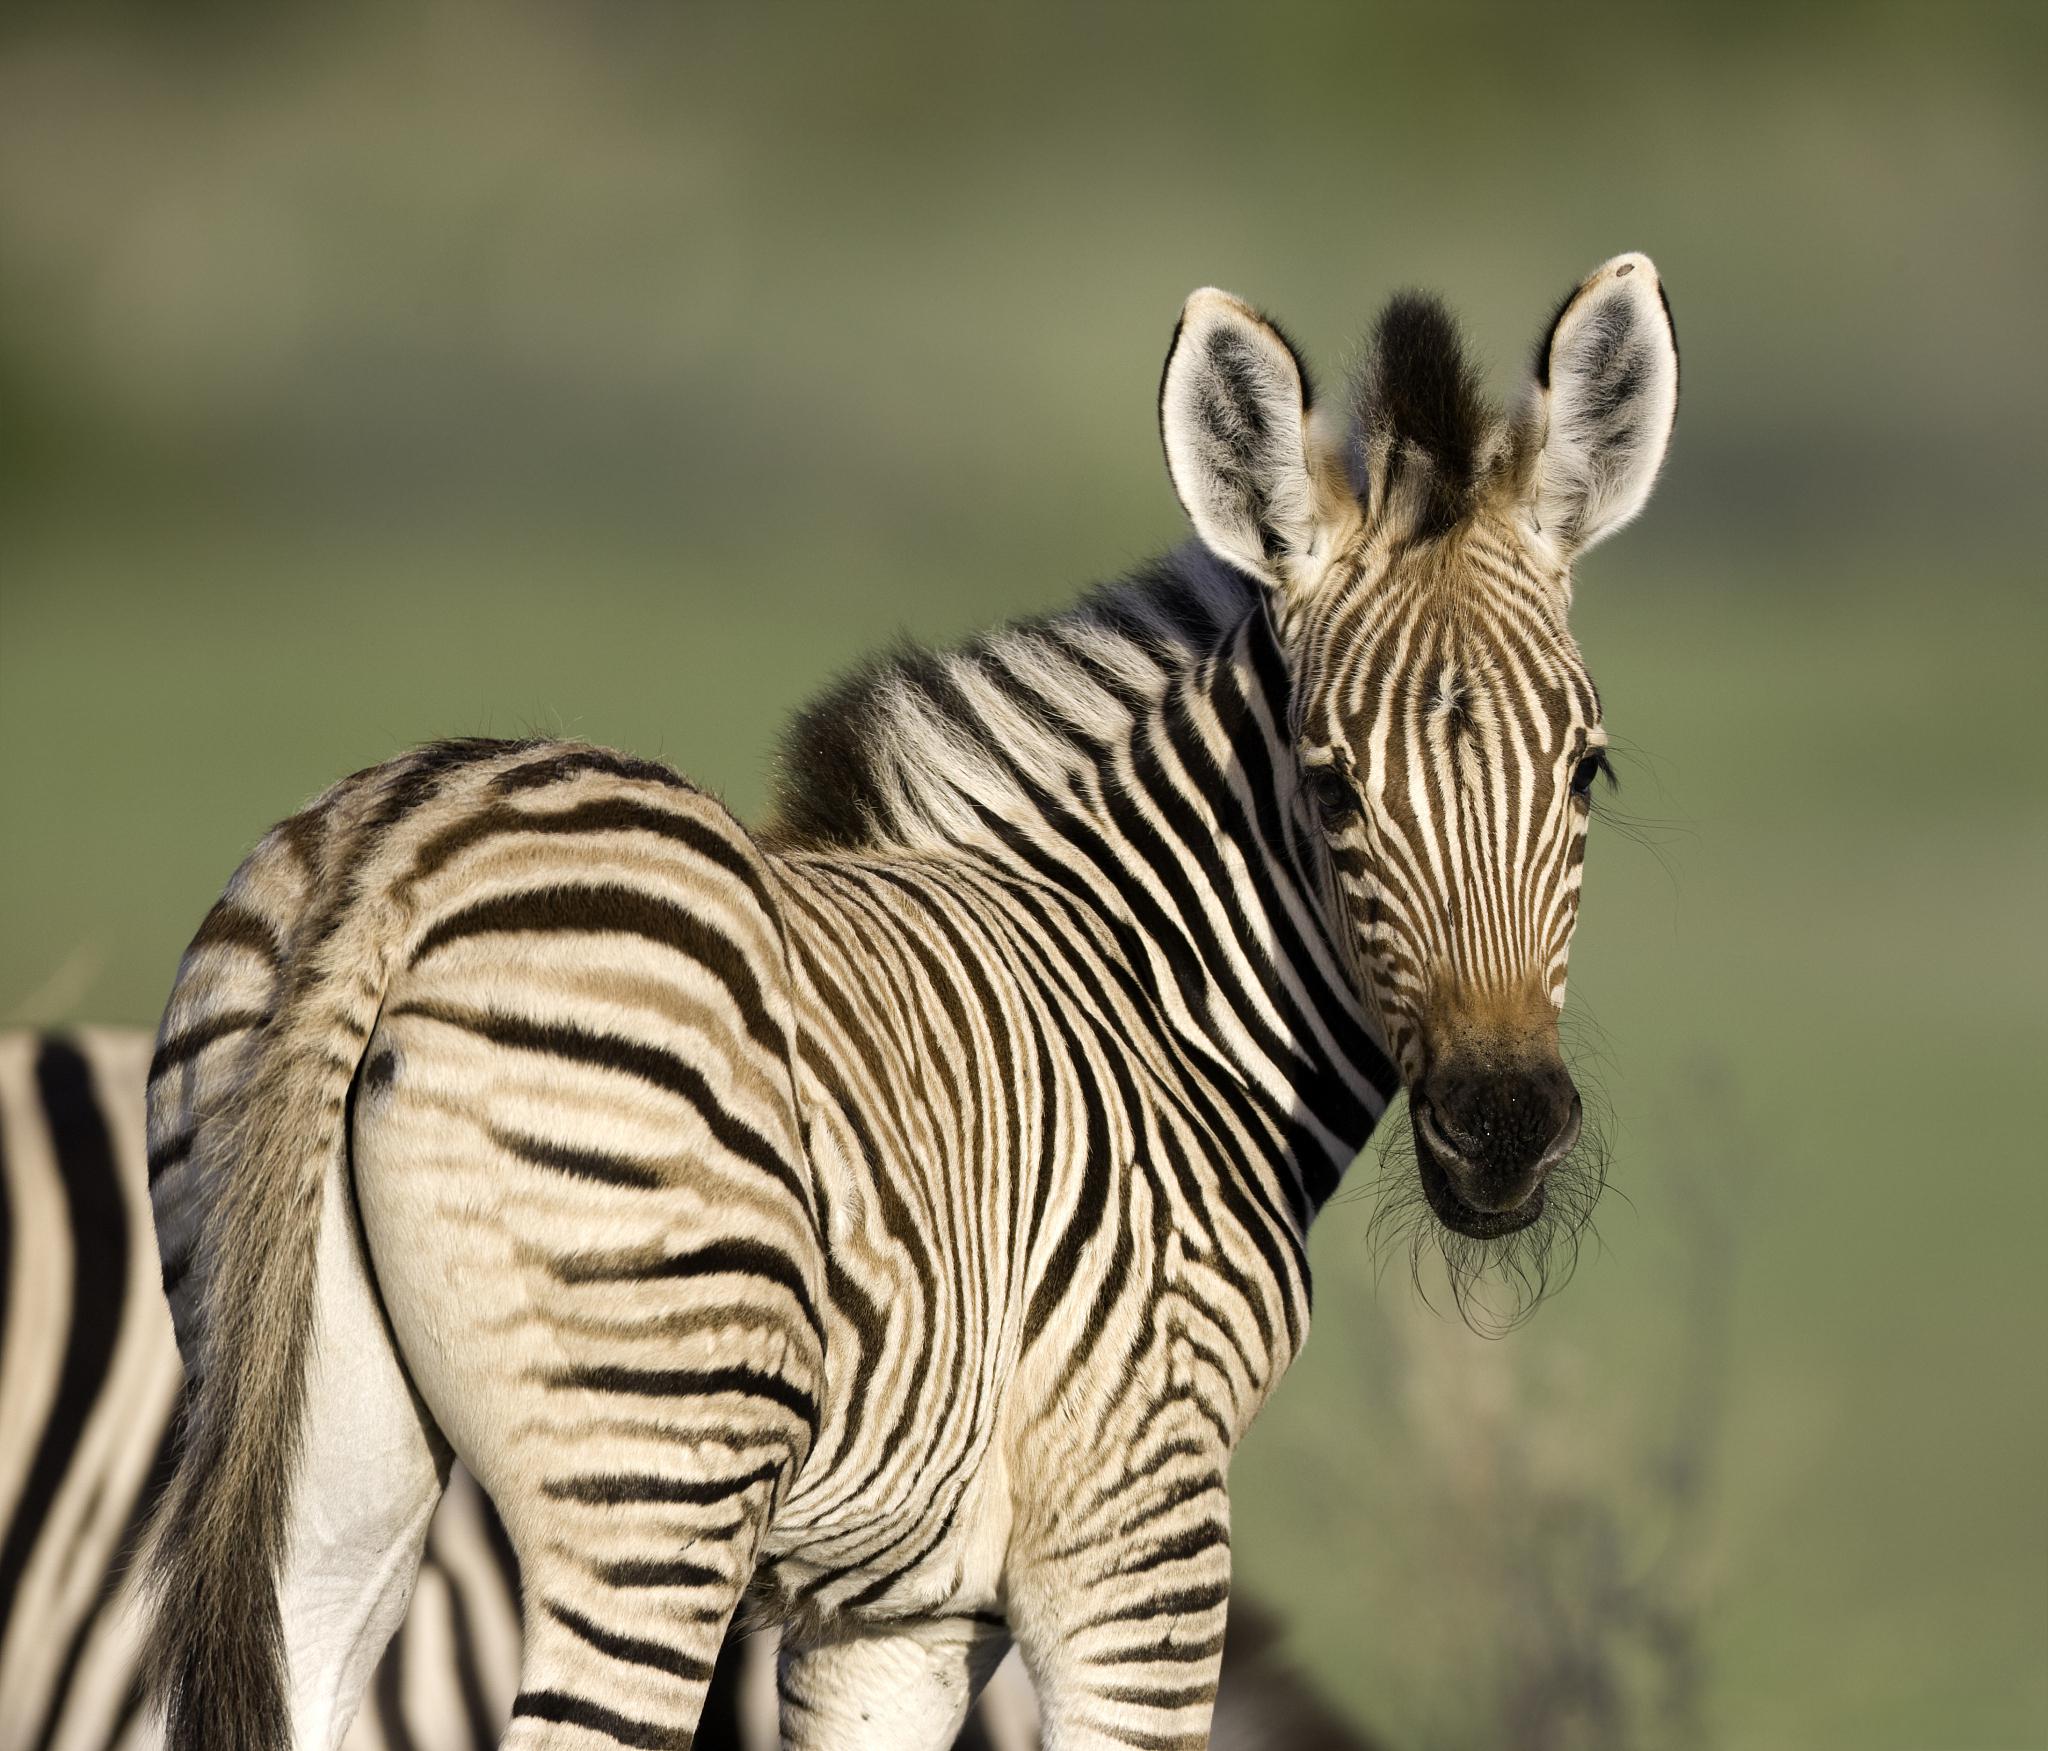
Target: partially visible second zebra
88, 1378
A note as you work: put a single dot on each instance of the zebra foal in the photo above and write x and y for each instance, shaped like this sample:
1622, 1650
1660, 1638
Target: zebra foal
897, 1214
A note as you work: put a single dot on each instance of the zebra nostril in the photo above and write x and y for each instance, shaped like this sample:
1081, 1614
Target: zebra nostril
1444, 1134
1567, 1136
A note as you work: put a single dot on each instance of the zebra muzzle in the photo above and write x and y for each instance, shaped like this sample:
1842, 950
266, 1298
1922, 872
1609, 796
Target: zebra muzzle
1483, 1169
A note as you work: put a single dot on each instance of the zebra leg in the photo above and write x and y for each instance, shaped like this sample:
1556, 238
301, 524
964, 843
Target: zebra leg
1118, 1607
611, 1315
906, 1688
620, 1650
635, 1500
633, 1555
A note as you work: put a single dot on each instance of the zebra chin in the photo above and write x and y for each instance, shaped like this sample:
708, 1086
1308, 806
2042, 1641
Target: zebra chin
1499, 1264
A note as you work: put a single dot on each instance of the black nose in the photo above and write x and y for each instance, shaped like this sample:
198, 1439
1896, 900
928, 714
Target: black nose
1497, 1132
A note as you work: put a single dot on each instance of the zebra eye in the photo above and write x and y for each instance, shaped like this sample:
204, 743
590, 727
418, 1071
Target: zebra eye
1589, 769
1334, 795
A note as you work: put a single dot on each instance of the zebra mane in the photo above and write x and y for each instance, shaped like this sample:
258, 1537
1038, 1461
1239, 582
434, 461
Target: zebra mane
1419, 400
916, 748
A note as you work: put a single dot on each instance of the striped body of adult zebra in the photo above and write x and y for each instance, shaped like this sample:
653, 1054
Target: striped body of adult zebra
898, 1214
88, 1378
88, 1375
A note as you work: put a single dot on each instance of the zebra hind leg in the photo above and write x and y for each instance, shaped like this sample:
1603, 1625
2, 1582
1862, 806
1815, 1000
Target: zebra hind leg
635, 1425
635, 1501
630, 1580
614, 1326
615, 1663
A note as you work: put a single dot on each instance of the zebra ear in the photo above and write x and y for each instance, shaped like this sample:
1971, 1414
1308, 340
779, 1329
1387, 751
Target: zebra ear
1257, 473
1596, 417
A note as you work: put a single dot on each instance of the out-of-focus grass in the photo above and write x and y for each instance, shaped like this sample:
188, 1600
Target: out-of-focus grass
376, 376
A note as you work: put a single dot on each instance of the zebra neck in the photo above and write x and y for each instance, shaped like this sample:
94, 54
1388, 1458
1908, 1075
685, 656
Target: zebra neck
1105, 797
1216, 766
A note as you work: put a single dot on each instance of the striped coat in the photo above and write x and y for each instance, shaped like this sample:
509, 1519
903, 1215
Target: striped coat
88, 1376
887, 1221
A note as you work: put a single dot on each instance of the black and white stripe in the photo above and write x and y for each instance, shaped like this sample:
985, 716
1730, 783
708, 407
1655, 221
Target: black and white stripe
888, 1221
89, 1376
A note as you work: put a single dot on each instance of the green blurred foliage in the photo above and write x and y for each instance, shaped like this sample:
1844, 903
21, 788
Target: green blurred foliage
379, 373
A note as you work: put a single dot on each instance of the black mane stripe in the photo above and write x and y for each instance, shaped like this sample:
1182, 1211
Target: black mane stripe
1419, 393
849, 772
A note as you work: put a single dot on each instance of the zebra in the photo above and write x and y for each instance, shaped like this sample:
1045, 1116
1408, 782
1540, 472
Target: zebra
88, 1377
886, 1221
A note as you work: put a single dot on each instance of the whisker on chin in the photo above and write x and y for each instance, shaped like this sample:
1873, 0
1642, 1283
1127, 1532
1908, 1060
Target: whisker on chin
1494, 1284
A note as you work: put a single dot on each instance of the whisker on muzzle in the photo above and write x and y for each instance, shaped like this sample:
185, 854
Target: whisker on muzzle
1494, 1284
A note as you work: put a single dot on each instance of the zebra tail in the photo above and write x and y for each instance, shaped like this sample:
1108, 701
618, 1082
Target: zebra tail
214, 1655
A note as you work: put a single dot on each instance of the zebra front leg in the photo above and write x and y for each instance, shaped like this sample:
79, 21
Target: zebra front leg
905, 1688
1120, 1613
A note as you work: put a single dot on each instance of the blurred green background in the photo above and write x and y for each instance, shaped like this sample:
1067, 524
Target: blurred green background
379, 373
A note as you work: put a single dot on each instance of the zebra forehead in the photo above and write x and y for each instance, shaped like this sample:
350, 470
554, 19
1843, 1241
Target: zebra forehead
1433, 651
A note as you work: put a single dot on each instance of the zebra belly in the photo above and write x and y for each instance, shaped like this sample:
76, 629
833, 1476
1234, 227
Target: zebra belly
941, 1557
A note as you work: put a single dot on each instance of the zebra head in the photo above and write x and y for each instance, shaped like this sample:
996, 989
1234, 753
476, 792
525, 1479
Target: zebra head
1416, 562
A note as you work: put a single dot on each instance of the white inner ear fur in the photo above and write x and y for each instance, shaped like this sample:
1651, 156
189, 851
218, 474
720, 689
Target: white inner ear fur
1256, 468
1600, 429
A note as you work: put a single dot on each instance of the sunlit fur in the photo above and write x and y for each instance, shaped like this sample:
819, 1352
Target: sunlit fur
1442, 677
902, 1207
85, 1464
1443, 716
